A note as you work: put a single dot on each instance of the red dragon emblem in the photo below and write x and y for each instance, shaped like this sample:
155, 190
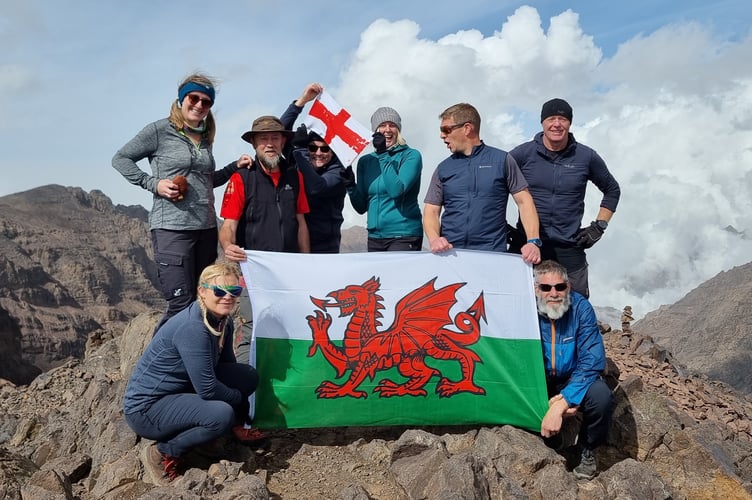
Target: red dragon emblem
418, 331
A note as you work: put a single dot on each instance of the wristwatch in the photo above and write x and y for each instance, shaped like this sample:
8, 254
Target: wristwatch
536, 241
602, 224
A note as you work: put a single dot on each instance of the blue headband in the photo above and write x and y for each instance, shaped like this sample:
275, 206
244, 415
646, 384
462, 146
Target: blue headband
189, 87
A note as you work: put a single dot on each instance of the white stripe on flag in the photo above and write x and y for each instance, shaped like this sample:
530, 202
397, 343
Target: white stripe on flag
281, 286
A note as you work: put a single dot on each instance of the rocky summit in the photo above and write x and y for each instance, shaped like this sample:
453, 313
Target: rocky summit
676, 434
71, 264
708, 330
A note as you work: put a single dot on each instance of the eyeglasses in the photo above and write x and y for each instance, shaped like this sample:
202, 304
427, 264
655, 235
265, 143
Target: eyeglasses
559, 287
313, 148
447, 129
205, 102
221, 291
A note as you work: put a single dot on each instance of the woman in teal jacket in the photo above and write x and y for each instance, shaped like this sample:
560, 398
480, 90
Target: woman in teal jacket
388, 181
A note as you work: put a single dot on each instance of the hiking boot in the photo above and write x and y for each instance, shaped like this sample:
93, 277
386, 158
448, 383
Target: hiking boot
250, 437
160, 468
586, 469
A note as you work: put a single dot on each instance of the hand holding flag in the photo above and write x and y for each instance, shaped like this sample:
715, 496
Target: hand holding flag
343, 133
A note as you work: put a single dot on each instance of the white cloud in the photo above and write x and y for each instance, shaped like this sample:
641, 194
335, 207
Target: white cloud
674, 134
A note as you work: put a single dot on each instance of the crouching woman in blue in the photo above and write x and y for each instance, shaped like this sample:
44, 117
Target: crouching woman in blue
187, 388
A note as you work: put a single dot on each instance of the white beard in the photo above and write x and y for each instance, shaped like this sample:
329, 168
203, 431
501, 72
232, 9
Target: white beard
269, 163
553, 311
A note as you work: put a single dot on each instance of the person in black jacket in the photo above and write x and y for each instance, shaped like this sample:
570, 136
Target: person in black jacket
323, 174
557, 169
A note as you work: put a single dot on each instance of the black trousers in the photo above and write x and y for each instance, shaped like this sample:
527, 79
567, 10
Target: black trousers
402, 243
597, 408
181, 256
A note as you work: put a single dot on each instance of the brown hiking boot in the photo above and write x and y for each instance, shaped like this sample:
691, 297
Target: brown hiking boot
158, 467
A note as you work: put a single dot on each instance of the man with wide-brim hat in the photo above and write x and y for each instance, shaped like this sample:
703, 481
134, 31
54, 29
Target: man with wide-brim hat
264, 207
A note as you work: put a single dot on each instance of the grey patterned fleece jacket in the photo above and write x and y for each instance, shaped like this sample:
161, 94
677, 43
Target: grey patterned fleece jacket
171, 153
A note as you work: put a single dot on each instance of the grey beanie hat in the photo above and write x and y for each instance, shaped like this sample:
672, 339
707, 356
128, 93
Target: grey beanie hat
385, 114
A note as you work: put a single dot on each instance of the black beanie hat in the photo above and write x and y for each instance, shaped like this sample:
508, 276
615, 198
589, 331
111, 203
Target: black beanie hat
556, 107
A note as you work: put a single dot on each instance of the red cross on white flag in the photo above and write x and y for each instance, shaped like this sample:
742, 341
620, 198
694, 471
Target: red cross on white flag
344, 134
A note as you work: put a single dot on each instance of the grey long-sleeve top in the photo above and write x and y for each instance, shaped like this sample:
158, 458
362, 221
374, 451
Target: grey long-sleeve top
171, 153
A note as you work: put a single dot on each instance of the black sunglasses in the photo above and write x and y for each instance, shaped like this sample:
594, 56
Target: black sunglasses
544, 287
447, 129
194, 99
313, 148
221, 291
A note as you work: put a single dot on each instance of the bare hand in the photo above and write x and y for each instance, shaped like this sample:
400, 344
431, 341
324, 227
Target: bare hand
168, 189
309, 94
440, 244
551, 424
245, 161
235, 253
571, 411
531, 253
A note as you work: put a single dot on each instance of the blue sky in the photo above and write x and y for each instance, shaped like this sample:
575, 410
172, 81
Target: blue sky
661, 89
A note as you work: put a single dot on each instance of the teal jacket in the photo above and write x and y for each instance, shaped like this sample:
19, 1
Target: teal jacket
387, 188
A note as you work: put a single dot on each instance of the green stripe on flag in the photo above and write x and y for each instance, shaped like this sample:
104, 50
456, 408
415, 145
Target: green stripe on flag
511, 373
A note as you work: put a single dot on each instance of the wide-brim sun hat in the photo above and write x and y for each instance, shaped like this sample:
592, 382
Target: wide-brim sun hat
265, 123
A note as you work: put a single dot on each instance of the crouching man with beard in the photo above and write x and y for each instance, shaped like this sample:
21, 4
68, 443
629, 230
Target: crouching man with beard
574, 359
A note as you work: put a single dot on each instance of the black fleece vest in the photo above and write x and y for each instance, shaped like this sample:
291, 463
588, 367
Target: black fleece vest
269, 219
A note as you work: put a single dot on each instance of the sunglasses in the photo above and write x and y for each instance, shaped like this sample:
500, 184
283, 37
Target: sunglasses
194, 99
559, 287
447, 129
221, 291
313, 148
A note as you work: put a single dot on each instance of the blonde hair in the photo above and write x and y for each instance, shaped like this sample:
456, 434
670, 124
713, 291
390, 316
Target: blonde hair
211, 272
217, 270
400, 140
176, 116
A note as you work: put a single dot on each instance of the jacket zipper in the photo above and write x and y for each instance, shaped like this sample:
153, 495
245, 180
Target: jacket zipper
553, 348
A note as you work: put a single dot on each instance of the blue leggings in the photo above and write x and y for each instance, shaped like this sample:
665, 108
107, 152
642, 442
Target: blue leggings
179, 422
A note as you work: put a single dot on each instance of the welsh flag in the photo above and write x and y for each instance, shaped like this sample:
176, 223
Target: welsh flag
346, 136
395, 338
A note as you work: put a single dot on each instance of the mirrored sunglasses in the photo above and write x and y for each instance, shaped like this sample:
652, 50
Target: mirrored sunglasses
544, 287
313, 148
221, 291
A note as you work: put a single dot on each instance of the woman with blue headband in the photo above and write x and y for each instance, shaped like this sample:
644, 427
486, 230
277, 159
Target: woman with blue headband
183, 221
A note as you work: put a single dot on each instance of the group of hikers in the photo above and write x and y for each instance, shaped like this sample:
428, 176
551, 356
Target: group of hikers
191, 386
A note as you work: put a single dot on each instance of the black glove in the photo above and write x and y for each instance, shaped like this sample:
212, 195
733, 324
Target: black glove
379, 143
348, 176
589, 236
300, 139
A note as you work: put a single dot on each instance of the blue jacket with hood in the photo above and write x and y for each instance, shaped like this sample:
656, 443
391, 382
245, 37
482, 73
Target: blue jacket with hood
573, 352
